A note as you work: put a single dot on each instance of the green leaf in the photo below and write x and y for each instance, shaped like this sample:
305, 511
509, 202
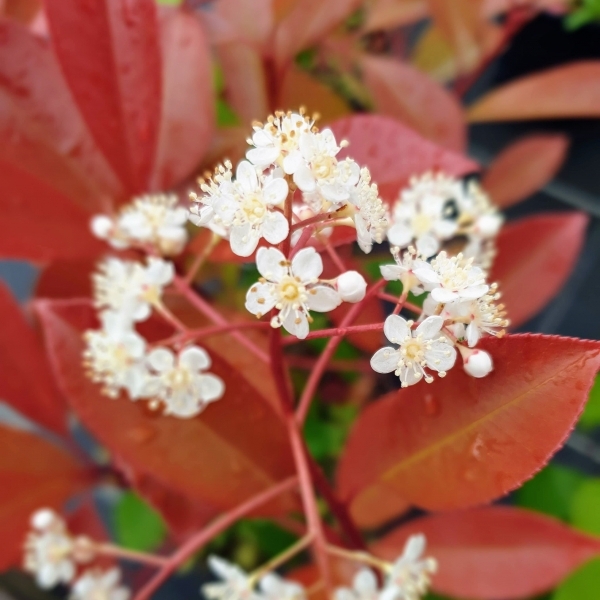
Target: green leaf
137, 525
582, 585
590, 417
225, 115
585, 506
270, 538
327, 427
550, 491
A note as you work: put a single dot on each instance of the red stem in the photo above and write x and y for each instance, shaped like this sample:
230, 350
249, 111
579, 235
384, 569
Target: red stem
213, 330
334, 332
389, 298
205, 535
308, 363
335, 257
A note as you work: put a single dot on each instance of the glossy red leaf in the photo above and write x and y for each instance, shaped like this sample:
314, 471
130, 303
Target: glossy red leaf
42, 130
403, 92
65, 279
495, 552
524, 167
535, 258
462, 441
187, 120
306, 23
235, 449
567, 91
247, 21
40, 223
33, 473
21, 354
109, 52
394, 152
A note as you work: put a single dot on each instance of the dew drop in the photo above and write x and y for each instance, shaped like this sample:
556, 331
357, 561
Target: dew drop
477, 448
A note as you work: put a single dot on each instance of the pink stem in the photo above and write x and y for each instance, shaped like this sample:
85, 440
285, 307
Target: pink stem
205, 332
320, 218
308, 363
334, 332
330, 348
335, 257
389, 298
216, 317
205, 535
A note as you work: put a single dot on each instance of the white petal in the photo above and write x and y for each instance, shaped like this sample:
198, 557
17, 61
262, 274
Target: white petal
474, 291
430, 327
226, 208
472, 334
271, 264
292, 162
304, 179
211, 387
322, 298
410, 376
307, 264
276, 191
259, 298
275, 227
385, 360
427, 245
243, 239
392, 272
441, 357
43, 518
160, 271
443, 295
194, 358
426, 274
300, 328
396, 329
400, 235
414, 548
246, 176
363, 237
262, 157
161, 359
365, 582
101, 226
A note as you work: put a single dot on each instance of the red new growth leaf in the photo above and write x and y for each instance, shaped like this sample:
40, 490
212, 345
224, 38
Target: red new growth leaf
110, 55
567, 91
22, 355
394, 153
535, 257
495, 552
400, 91
187, 120
33, 474
463, 441
236, 448
524, 167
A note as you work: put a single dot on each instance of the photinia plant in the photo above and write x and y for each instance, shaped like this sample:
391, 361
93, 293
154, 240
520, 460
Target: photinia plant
359, 270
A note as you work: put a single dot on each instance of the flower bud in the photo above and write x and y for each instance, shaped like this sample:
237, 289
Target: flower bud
351, 286
488, 225
101, 226
477, 363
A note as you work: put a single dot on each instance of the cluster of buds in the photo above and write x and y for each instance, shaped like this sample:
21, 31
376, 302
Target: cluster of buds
54, 556
459, 308
127, 293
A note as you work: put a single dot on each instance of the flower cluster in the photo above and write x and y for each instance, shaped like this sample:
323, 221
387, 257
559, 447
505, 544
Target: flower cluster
288, 153
436, 209
407, 578
153, 221
459, 308
53, 556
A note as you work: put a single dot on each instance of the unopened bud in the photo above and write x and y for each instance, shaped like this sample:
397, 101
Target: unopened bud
477, 363
488, 225
351, 286
101, 226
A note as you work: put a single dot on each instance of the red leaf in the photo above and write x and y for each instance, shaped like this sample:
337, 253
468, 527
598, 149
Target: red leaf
247, 21
235, 449
21, 355
187, 105
394, 153
33, 474
495, 552
110, 55
568, 91
389, 14
306, 23
65, 279
524, 167
463, 441
40, 223
535, 257
400, 91
42, 131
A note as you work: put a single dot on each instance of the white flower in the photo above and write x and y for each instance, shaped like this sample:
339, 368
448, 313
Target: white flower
476, 363
364, 587
403, 270
155, 220
181, 382
49, 550
351, 286
249, 212
127, 286
274, 141
236, 585
410, 575
370, 217
98, 585
452, 278
291, 288
114, 354
423, 347
274, 587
